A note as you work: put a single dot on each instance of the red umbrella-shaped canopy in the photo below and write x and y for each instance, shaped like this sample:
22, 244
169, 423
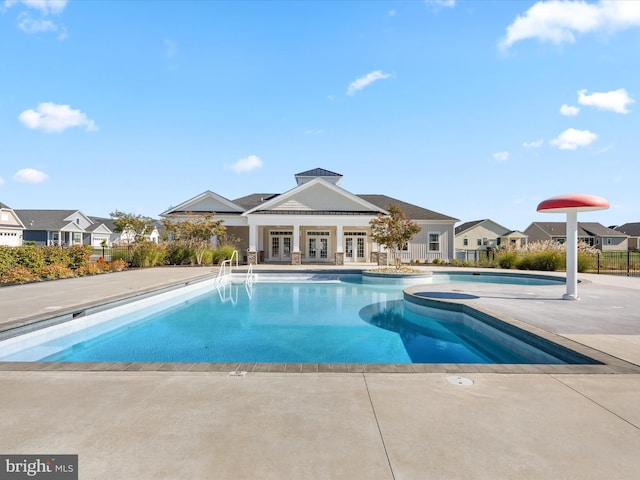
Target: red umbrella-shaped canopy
579, 202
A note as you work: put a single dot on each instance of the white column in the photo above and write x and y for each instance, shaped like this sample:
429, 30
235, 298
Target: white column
339, 235
253, 238
296, 237
572, 256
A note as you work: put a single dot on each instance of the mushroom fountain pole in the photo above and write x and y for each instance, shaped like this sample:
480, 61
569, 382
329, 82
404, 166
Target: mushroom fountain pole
571, 205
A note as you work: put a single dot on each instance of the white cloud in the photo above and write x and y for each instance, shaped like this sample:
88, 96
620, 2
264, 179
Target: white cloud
313, 132
1, 180
569, 111
30, 175
246, 164
534, 144
52, 117
501, 156
44, 6
391, 13
31, 26
559, 21
367, 80
571, 139
615, 100
437, 4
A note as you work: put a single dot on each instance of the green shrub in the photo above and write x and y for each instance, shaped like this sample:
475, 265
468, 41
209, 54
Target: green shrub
207, 257
586, 261
56, 255
546, 261
30, 256
507, 259
7, 258
148, 254
178, 254
79, 255
18, 274
222, 253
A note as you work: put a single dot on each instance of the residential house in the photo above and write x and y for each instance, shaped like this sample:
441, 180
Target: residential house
479, 235
591, 233
318, 221
11, 227
127, 236
61, 227
633, 230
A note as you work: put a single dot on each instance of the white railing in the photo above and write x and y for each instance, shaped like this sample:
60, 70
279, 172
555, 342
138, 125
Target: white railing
249, 278
223, 275
414, 251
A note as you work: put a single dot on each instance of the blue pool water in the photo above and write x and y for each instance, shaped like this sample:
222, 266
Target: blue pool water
339, 322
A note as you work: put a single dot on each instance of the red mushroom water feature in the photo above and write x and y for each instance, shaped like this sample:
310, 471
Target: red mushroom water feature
571, 205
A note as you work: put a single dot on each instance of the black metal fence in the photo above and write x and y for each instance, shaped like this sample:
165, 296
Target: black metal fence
109, 254
623, 263
618, 263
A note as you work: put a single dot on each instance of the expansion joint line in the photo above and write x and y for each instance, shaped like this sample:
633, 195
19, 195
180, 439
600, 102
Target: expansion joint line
596, 403
375, 416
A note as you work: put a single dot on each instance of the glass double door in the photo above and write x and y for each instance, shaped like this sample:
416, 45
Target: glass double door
280, 248
354, 248
318, 246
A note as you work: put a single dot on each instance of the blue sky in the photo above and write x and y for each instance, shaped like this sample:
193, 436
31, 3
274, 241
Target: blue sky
475, 109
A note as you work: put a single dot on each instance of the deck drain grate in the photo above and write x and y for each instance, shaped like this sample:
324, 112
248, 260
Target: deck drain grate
237, 373
458, 380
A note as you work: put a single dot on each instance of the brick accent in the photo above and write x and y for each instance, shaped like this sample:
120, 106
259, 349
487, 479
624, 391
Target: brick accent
339, 258
252, 258
382, 258
296, 258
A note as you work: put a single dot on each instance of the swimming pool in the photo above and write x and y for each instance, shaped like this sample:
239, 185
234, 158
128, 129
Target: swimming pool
333, 319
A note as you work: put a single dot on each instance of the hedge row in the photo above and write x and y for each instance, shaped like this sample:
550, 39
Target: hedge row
32, 263
150, 254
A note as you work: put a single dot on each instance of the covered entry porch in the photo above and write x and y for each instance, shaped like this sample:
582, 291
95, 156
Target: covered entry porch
311, 241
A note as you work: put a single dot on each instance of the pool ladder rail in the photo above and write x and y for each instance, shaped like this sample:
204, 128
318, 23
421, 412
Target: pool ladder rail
224, 276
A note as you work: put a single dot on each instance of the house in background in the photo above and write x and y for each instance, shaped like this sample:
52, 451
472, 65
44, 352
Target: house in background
11, 228
61, 227
317, 221
127, 236
485, 235
591, 233
633, 230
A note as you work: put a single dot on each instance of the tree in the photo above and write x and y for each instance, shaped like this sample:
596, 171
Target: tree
137, 225
393, 231
195, 232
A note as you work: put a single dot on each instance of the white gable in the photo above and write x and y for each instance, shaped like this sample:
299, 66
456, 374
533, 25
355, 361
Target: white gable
317, 195
79, 219
205, 202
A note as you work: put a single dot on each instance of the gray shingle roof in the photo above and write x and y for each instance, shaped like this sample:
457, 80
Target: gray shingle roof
251, 201
632, 229
467, 226
318, 172
2, 205
50, 220
97, 221
585, 229
414, 212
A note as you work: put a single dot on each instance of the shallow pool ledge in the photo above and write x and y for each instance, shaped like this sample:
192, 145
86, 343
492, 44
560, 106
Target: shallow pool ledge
423, 298
369, 276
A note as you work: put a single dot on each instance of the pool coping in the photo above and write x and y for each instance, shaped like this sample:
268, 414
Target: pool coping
608, 364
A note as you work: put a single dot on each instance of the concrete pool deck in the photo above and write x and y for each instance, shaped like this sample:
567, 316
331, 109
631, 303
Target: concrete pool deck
173, 423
